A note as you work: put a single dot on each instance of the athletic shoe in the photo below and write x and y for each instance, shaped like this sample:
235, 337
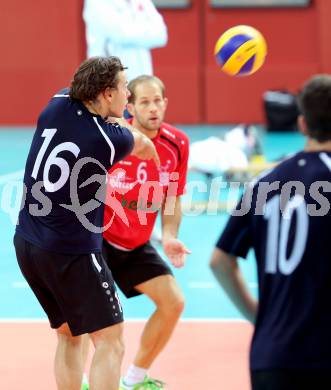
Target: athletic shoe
147, 384
84, 386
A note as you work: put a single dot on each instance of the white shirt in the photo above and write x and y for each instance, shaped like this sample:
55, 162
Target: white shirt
213, 155
127, 29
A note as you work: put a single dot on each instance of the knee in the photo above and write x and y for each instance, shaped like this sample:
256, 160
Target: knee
110, 339
174, 304
179, 304
113, 348
119, 347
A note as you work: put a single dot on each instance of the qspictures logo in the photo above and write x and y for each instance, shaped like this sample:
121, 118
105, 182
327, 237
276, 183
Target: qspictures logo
287, 197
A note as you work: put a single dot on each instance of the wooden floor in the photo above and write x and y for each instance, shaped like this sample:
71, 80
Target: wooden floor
201, 355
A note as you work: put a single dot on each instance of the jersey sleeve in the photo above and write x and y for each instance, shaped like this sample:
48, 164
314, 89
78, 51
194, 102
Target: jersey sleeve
182, 167
122, 138
236, 238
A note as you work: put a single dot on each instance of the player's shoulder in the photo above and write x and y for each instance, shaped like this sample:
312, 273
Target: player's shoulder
317, 161
62, 93
56, 103
287, 167
173, 134
276, 173
59, 99
284, 164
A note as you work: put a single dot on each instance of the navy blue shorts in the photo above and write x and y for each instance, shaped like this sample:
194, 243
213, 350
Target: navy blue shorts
77, 289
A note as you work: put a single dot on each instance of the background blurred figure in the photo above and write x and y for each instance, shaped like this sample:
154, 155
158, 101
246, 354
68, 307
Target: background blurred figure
237, 155
127, 29
285, 218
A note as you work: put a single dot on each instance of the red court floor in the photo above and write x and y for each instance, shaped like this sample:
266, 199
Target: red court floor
201, 355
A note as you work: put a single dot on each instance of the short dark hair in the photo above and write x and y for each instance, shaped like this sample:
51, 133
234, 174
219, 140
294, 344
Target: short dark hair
93, 76
315, 105
140, 80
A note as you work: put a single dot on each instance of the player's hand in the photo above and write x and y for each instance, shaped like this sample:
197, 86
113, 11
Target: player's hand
144, 148
176, 251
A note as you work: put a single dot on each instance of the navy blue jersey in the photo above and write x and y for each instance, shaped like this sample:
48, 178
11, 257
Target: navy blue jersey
65, 174
286, 219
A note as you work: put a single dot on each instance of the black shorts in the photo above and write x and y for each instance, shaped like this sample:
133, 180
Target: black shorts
130, 268
282, 379
77, 289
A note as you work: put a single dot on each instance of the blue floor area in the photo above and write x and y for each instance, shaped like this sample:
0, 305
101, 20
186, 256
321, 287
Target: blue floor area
204, 299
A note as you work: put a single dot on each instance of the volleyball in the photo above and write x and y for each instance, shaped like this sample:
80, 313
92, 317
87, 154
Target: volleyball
240, 51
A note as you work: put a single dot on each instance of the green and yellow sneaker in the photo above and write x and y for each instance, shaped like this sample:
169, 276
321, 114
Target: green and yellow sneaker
84, 386
147, 384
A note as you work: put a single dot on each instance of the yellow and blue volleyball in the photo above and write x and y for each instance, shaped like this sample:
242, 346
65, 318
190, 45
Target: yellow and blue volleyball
240, 51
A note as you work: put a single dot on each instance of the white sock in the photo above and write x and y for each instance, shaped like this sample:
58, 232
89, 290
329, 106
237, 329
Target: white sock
134, 375
85, 379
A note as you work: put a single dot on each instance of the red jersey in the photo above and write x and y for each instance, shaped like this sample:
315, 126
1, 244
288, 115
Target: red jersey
136, 189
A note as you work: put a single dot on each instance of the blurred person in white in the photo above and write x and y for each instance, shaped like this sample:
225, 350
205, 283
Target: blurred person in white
128, 29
